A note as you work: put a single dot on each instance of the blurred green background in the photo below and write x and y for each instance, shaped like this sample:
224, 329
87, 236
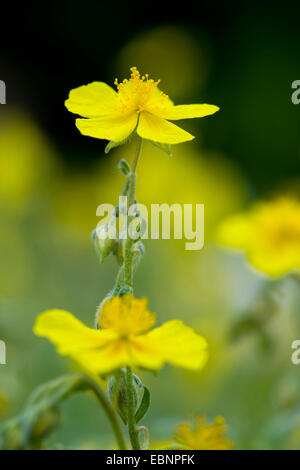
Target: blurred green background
238, 56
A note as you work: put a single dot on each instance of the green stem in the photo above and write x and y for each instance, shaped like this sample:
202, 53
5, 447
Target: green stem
100, 395
133, 432
124, 278
125, 188
128, 270
119, 280
128, 281
137, 154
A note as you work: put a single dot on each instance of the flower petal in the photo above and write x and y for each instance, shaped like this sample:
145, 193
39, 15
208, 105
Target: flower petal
159, 130
94, 99
273, 262
116, 127
173, 342
184, 111
112, 356
201, 436
66, 332
237, 231
98, 351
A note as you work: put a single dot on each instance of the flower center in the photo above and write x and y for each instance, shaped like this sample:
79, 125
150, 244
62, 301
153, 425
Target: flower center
126, 315
139, 91
282, 226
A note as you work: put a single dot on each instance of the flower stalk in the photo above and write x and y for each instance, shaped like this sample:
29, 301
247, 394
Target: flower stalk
128, 265
101, 397
128, 282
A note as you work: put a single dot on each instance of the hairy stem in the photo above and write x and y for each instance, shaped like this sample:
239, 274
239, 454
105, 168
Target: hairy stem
128, 269
101, 396
137, 154
128, 282
119, 280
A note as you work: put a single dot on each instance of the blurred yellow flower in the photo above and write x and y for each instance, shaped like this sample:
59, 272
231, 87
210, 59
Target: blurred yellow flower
123, 338
269, 233
203, 436
27, 162
171, 52
138, 105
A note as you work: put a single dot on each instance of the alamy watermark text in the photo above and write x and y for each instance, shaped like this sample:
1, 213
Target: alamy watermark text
187, 222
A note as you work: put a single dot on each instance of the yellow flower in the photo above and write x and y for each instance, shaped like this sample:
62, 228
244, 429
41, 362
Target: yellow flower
203, 436
269, 233
27, 164
123, 338
137, 105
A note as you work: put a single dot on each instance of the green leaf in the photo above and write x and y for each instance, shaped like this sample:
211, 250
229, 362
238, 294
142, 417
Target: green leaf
164, 147
111, 145
145, 403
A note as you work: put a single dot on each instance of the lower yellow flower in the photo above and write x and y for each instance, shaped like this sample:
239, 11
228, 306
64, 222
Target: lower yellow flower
269, 233
203, 436
123, 338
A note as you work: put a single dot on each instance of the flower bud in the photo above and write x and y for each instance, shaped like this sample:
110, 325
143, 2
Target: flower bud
125, 290
104, 238
124, 167
117, 393
46, 422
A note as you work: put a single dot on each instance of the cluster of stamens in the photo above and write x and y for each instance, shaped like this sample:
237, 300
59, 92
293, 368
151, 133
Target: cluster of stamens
135, 92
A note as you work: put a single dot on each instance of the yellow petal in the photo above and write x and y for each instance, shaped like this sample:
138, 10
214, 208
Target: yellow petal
236, 232
67, 332
202, 436
112, 356
116, 127
173, 342
99, 351
274, 262
158, 99
185, 111
93, 100
159, 130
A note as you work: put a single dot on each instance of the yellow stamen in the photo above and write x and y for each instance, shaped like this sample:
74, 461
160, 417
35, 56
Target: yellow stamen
138, 91
126, 315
